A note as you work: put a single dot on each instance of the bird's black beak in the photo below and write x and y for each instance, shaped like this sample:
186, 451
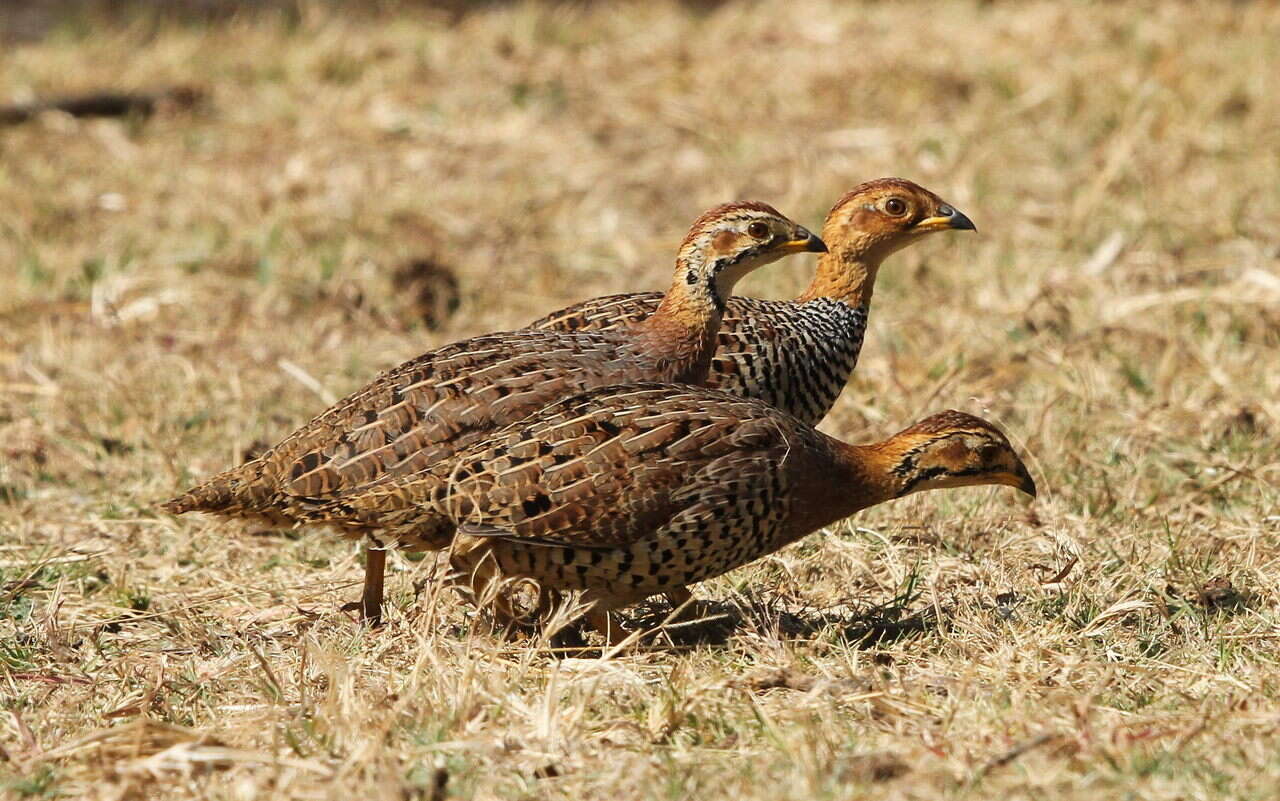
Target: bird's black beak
947, 218
1022, 480
803, 241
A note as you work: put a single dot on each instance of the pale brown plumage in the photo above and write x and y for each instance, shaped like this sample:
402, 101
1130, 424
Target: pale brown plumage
798, 355
428, 409
629, 491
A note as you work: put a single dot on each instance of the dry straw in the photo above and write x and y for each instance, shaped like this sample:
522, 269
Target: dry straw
179, 287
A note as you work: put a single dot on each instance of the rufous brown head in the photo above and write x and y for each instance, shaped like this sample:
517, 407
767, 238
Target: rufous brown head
880, 217
954, 449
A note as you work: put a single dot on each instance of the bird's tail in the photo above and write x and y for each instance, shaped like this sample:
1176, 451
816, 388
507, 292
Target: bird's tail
236, 492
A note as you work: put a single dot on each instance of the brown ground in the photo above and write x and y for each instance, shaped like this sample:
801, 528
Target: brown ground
180, 288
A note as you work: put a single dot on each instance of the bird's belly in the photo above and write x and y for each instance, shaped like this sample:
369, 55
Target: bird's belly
655, 564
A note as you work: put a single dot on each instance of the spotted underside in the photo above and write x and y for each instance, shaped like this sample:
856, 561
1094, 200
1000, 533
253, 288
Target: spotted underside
633, 489
794, 356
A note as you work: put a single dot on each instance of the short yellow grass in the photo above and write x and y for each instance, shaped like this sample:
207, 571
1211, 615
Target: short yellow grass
179, 288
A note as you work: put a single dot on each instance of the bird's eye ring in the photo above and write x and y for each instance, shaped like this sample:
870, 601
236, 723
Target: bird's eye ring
758, 230
895, 206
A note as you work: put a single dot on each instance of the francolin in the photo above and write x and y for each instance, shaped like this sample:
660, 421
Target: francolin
798, 355
421, 414
628, 491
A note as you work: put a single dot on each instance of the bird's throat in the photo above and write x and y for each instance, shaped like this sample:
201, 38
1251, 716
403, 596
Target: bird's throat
846, 277
682, 331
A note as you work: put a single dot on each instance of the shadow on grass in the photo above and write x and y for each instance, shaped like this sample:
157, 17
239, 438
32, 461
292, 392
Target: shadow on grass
716, 623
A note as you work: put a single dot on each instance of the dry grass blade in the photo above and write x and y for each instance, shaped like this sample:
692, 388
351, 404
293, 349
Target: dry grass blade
359, 188
143, 737
1015, 752
1114, 614
187, 758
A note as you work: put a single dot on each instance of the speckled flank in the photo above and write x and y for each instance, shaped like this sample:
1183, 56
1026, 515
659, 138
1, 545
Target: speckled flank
633, 490
627, 489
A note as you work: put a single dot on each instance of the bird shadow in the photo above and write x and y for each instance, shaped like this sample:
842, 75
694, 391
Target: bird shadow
715, 623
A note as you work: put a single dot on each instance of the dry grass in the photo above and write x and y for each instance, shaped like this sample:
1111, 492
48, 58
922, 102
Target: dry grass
180, 287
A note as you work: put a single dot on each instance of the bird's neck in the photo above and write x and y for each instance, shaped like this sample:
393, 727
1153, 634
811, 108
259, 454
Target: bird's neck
846, 275
847, 480
682, 330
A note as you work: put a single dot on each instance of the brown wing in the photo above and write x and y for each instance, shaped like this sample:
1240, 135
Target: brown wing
438, 404
602, 313
600, 469
794, 356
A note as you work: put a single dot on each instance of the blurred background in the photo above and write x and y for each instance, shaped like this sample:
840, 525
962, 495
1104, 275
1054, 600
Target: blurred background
196, 191
218, 217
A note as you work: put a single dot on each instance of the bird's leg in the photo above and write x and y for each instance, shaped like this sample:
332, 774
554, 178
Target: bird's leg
678, 597
375, 562
605, 622
370, 603
600, 614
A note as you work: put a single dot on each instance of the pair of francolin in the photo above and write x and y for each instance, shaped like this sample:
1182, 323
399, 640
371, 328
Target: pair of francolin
633, 444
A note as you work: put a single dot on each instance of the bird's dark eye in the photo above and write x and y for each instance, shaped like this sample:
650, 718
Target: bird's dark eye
988, 453
895, 206
758, 230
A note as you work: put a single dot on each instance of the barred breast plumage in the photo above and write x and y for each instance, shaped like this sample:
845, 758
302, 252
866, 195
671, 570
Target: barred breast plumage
792, 355
798, 355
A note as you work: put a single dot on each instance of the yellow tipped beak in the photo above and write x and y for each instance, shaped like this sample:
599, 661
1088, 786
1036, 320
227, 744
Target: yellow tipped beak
947, 219
805, 242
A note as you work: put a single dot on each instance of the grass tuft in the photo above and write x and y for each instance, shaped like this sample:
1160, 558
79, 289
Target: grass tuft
186, 286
